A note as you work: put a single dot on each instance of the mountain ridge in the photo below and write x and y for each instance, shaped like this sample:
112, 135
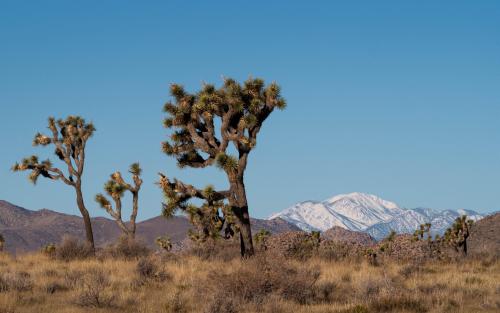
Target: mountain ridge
27, 230
368, 213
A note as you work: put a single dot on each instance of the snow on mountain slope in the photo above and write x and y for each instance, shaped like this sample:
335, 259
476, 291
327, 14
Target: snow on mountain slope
363, 208
410, 220
354, 211
311, 215
368, 213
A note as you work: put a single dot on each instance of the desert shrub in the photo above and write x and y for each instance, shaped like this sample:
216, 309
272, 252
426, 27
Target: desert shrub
296, 245
73, 278
212, 250
256, 280
17, 281
73, 249
53, 287
49, 249
148, 271
176, 304
473, 280
337, 251
397, 304
92, 290
127, 248
356, 309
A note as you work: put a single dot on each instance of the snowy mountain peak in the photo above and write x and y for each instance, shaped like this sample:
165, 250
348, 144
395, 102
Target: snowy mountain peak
363, 199
368, 213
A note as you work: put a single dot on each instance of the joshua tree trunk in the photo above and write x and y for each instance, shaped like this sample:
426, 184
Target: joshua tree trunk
86, 217
133, 216
239, 205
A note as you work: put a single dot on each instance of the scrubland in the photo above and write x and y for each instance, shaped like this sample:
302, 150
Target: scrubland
223, 283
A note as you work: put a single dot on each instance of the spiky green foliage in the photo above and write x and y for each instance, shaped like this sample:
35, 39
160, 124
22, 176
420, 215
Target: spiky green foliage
69, 137
135, 169
261, 238
115, 187
424, 229
201, 127
164, 243
457, 235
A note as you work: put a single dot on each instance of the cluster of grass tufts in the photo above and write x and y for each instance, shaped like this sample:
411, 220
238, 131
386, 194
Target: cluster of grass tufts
209, 282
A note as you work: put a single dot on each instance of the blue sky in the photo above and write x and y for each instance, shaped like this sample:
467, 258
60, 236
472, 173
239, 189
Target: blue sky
396, 98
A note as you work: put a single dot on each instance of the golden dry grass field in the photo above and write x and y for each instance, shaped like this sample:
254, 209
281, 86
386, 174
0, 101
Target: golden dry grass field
265, 283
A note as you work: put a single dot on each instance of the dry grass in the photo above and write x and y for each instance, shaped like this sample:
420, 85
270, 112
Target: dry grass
38, 283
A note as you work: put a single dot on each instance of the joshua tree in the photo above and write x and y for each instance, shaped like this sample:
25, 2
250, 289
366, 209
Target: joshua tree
458, 233
69, 137
391, 236
422, 230
2, 242
261, 238
115, 188
164, 243
238, 111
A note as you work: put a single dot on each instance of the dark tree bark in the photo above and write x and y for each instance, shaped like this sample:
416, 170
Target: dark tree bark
86, 217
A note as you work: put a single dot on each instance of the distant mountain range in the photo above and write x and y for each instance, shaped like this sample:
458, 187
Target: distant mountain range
368, 213
25, 230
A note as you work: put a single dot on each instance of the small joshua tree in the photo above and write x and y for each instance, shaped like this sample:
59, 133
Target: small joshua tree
422, 231
238, 111
164, 243
69, 137
458, 233
261, 238
391, 236
115, 188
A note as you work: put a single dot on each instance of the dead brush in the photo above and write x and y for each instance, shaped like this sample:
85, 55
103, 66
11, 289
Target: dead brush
256, 280
127, 248
16, 281
92, 290
72, 249
148, 271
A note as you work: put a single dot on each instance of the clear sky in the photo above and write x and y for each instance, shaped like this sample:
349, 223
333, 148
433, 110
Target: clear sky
396, 98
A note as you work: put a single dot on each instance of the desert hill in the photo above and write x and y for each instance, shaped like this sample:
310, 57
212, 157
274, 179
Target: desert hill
27, 230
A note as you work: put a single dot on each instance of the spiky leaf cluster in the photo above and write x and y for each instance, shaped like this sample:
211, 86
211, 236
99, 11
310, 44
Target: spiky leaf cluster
240, 109
212, 218
69, 137
422, 231
261, 238
164, 243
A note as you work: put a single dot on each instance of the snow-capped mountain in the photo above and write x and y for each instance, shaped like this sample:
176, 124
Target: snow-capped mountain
411, 220
367, 213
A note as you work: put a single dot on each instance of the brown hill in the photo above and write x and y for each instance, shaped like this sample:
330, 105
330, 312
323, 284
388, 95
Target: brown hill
485, 236
25, 230
347, 236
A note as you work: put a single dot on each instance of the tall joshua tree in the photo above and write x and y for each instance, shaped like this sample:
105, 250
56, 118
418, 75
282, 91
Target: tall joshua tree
115, 188
69, 137
203, 125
